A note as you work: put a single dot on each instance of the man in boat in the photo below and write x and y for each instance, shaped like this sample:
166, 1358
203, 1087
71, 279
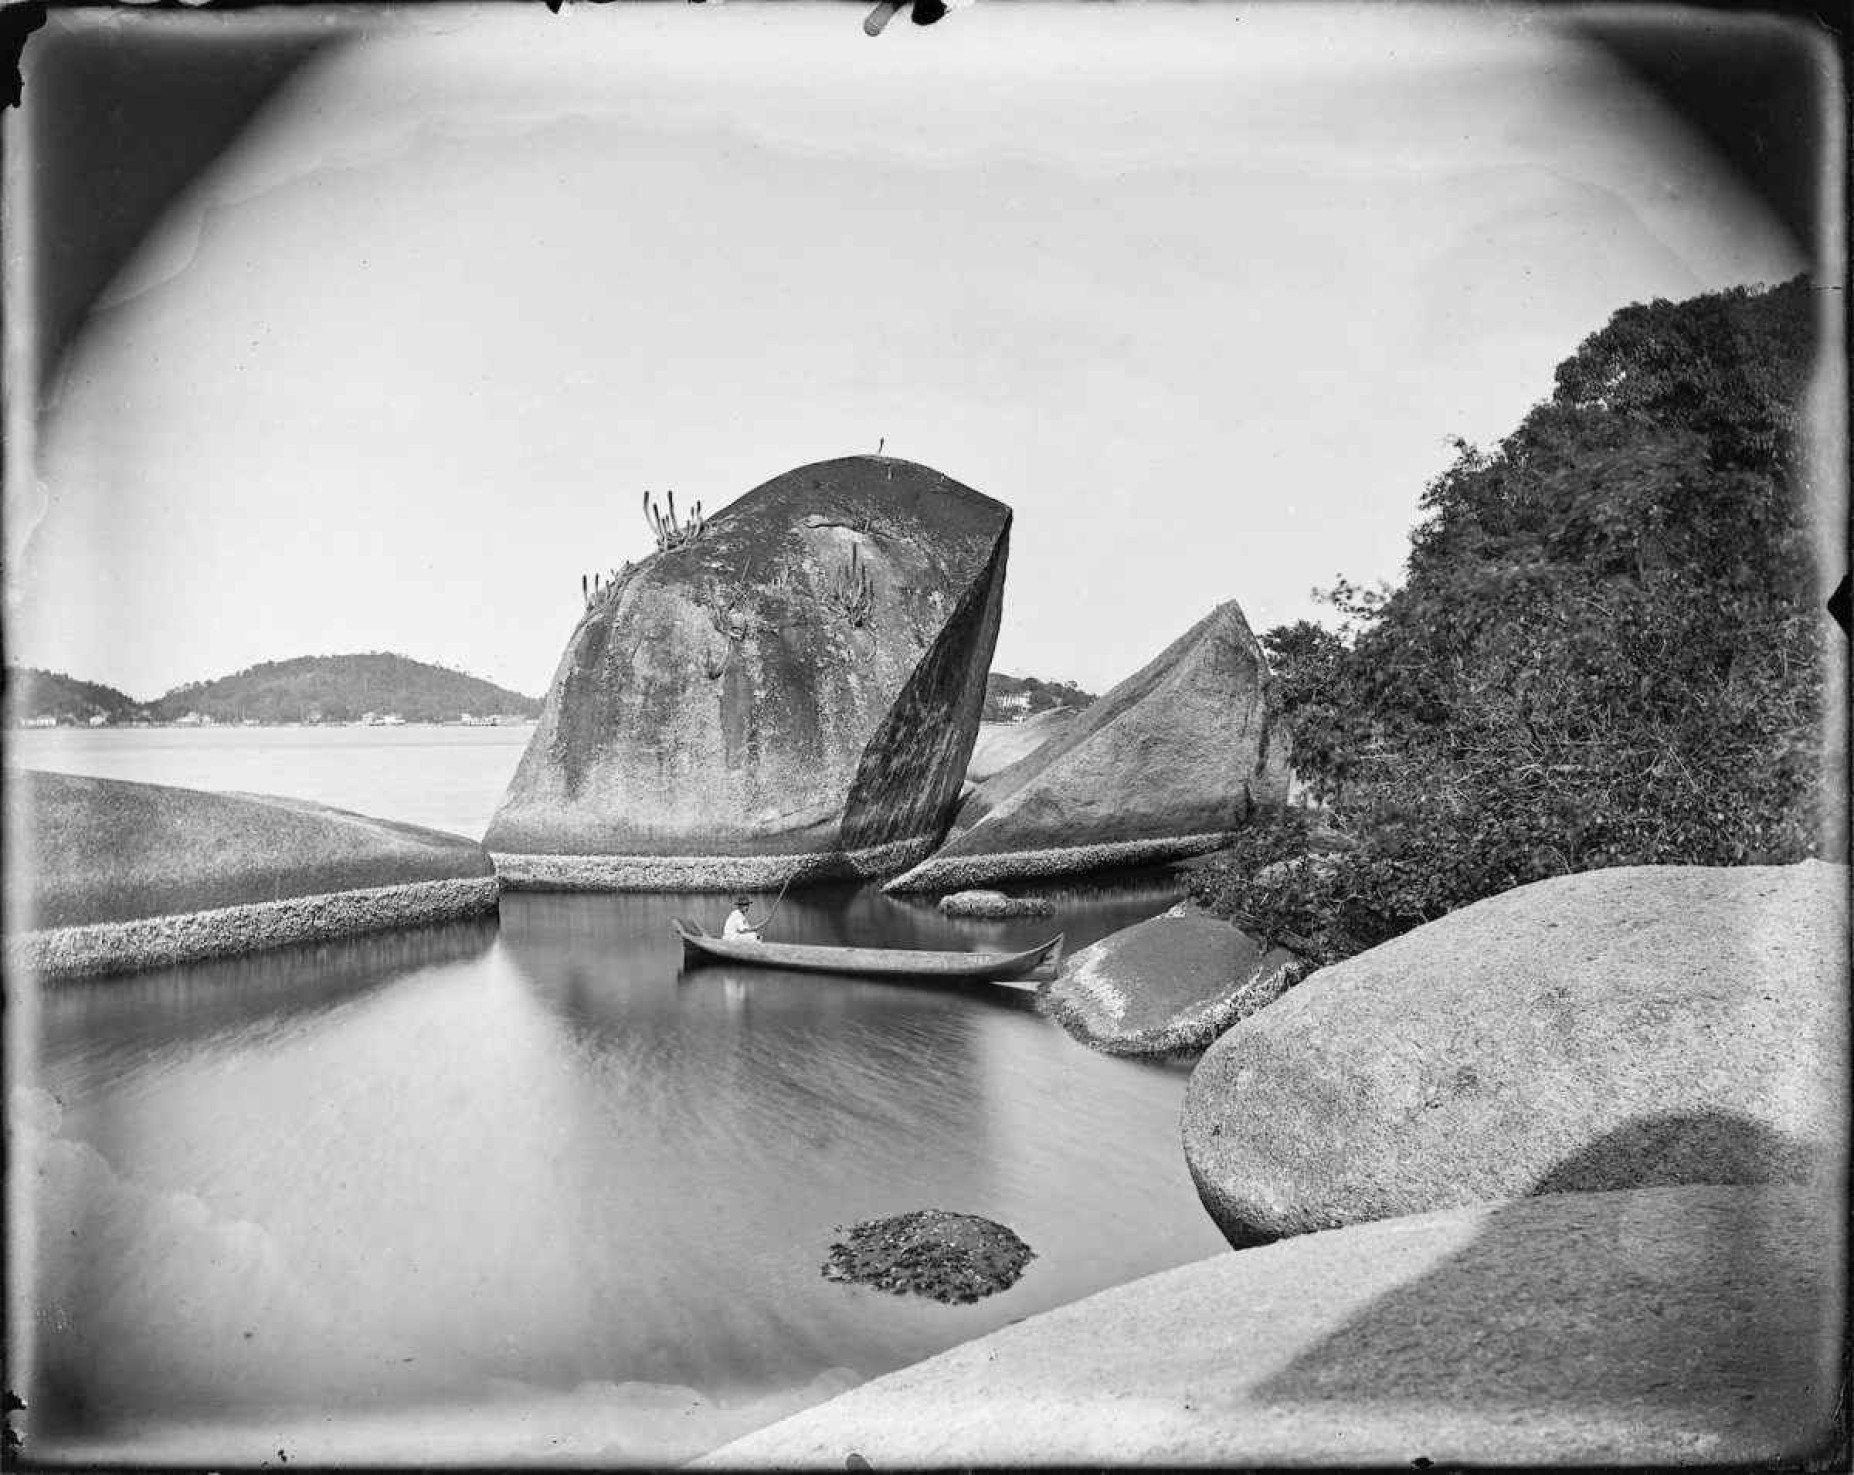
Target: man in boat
737, 927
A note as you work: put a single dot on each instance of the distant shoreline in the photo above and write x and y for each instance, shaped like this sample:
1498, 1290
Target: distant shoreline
29, 725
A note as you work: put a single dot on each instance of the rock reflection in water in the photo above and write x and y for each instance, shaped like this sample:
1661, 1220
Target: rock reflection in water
356, 1187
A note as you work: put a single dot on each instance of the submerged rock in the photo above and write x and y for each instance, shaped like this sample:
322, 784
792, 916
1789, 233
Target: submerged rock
1168, 986
794, 692
1664, 1326
995, 904
1167, 764
122, 875
930, 1252
1615, 1029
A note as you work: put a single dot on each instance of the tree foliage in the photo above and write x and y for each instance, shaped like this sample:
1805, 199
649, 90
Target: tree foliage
1607, 648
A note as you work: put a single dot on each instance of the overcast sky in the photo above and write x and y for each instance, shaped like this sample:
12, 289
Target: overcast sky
1201, 292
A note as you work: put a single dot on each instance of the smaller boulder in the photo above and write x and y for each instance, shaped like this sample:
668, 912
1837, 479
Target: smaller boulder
1169, 986
930, 1252
995, 904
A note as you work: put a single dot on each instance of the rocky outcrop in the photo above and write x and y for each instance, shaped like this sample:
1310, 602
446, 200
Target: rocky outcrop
1167, 764
1666, 1326
795, 692
1168, 986
1615, 1029
995, 904
121, 876
1000, 744
955, 1258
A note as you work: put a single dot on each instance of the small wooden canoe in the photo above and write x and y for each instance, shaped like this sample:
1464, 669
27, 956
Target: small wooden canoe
867, 962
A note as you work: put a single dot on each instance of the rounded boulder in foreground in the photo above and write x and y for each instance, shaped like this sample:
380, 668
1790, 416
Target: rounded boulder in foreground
1661, 1326
1614, 1029
1168, 986
930, 1252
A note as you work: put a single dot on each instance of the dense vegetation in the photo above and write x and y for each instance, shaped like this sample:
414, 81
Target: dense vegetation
1012, 698
31, 692
307, 689
342, 689
1607, 649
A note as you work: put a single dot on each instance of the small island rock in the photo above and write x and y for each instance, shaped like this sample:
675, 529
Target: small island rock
794, 692
1168, 986
127, 875
1613, 1029
930, 1252
995, 904
1169, 763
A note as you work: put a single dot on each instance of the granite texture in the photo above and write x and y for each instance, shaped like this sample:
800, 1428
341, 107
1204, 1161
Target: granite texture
1614, 1029
725, 703
1168, 986
1169, 763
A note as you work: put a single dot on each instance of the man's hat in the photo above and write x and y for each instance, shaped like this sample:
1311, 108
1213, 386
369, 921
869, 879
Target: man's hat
743, 902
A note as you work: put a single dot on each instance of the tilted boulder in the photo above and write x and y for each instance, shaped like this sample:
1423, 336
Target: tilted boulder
1168, 986
120, 876
1169, 763
1000, 744
794, 692
1622, 1028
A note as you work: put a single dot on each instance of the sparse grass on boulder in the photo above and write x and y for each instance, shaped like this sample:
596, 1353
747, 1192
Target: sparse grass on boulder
930, 1252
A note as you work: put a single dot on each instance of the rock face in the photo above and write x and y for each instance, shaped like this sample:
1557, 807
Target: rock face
1168, 986
1665, 1326
1169, 763
1615, 1029
1000, 744
126, 875
795, 692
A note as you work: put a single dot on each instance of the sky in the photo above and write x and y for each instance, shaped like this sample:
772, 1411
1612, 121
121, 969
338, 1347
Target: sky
1201, 292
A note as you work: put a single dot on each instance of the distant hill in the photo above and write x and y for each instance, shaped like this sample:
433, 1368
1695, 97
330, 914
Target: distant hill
1013, 698
343, 689
32, 693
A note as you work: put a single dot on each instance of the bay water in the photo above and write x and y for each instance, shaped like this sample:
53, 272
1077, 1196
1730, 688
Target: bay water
530, 1191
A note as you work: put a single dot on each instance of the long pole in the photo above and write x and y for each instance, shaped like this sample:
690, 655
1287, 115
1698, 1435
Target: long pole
775, 906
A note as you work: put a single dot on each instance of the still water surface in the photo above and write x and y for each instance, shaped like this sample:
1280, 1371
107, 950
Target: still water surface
530, 1192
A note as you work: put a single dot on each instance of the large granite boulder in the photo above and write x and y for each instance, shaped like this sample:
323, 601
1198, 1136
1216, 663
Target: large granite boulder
795, 692
1665, 1326
1168, 986
118, 875
1167, 764
1615, 1029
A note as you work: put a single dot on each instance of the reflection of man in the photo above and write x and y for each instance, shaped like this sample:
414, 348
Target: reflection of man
738, 928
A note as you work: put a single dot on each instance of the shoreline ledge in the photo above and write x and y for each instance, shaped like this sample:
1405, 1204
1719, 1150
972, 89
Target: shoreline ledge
700, 873
109, 876
222, 932
1645, 1326
943, 872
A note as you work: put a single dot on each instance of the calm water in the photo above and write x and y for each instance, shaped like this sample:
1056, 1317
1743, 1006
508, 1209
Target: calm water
528, 1192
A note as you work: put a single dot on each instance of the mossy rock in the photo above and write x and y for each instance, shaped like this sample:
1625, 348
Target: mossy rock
930, 1252
995, 904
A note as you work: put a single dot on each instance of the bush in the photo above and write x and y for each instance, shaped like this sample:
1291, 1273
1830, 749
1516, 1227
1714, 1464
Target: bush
1606, 651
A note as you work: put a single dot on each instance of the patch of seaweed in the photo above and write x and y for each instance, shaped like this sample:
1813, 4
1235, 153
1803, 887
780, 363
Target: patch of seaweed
955, 1258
